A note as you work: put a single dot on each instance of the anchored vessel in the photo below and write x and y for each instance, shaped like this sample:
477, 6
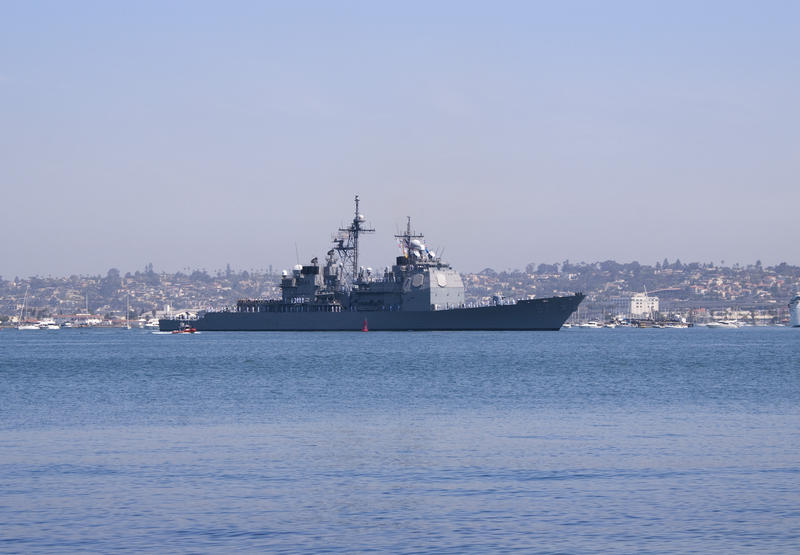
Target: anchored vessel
794, 311
419, 292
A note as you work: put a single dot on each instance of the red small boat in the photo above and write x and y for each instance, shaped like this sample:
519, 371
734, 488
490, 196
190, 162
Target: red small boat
185, 330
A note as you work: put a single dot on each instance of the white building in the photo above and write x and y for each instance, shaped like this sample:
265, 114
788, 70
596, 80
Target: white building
642, 305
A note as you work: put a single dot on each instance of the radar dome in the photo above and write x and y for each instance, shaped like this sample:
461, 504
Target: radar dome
416, 244
361, 218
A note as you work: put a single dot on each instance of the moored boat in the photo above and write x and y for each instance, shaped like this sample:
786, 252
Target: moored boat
723, 324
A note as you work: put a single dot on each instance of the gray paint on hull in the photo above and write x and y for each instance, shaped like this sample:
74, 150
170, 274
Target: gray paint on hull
537, 314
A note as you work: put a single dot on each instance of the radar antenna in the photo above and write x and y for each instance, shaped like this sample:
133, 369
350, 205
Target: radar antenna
346, 242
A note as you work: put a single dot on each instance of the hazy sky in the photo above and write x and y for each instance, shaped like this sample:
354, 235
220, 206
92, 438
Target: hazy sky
204, 133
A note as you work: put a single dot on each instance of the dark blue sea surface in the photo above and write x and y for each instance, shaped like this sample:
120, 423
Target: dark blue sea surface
580, 441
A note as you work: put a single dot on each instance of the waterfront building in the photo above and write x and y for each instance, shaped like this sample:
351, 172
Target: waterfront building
643, 305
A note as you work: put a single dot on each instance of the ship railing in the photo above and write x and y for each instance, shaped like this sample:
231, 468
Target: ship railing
184, 317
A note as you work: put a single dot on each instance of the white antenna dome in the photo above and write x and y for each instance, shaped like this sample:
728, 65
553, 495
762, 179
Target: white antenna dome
416, 244
284, 273
361, 218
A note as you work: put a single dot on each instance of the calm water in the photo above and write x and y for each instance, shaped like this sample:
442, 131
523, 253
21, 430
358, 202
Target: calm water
581, 441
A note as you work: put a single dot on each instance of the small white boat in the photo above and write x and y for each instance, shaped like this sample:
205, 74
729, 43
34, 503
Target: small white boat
794, 311
28, 327
723, 324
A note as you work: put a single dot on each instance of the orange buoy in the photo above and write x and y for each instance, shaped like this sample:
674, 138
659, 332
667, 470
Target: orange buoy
364, 327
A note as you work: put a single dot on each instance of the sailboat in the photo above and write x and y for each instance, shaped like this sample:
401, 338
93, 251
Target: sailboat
127, 311
22, 326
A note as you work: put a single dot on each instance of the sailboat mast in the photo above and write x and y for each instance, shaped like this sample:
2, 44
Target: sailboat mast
24, 300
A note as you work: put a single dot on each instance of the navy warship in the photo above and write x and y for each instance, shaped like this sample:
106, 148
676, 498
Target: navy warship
420, 292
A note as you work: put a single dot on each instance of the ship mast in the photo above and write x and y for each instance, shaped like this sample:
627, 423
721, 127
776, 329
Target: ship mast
346, 244
407, 237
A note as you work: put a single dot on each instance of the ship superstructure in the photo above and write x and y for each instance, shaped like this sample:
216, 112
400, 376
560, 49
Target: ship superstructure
418, 292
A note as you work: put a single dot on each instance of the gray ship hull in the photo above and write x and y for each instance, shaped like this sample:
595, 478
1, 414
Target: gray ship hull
535, 314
